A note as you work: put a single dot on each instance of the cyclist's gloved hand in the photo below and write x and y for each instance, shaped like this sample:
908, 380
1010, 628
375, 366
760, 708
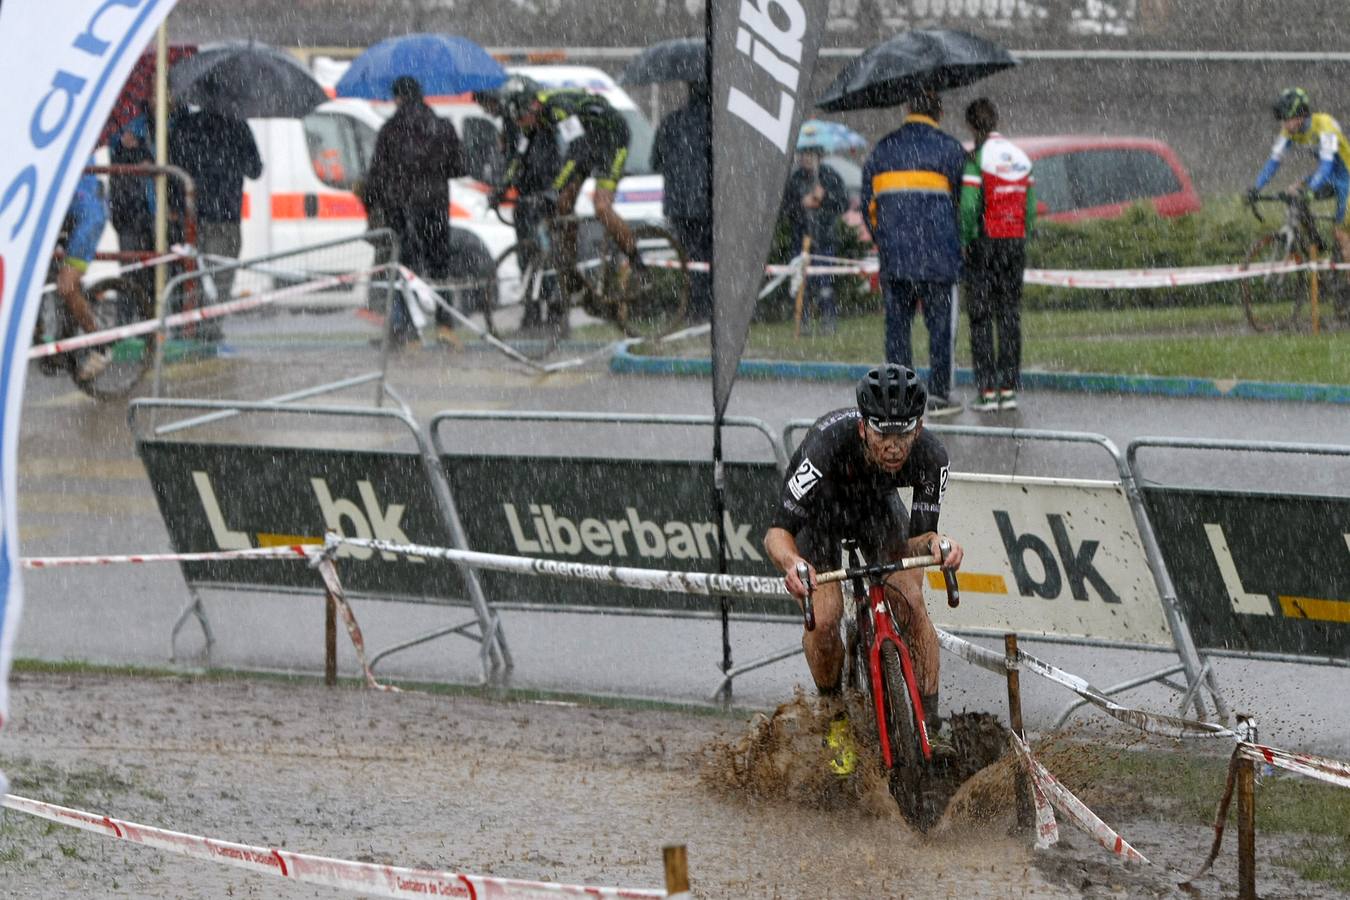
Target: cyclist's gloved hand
548, 203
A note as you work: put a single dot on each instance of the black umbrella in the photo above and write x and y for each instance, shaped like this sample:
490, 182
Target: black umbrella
246, 79
681, 59
908, 64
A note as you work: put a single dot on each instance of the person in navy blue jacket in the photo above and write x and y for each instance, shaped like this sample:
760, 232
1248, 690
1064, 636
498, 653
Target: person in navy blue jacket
911, 188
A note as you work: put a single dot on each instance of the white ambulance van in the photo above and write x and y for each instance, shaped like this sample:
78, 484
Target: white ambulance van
305, 195
310, 166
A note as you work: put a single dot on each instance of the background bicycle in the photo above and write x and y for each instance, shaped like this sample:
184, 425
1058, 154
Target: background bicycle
114, 301
599, 279
1282, 301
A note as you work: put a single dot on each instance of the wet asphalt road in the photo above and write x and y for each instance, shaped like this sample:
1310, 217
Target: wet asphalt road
83, 491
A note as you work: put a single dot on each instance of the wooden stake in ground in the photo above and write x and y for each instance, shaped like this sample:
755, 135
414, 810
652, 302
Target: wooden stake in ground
677, 872
801, 288
1246, 791
1021, 786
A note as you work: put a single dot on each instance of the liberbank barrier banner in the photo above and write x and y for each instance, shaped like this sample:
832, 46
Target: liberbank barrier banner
62, 64
232, 497
1042, 556
1258, 572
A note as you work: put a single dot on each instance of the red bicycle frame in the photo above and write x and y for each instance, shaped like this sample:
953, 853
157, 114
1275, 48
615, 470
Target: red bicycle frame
883, 630
878, 615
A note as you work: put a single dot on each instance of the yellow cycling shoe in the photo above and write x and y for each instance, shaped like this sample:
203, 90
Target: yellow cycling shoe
840, 740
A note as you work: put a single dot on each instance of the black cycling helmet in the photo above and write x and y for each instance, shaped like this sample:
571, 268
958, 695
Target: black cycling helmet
1291, 102
511, 87
892, 399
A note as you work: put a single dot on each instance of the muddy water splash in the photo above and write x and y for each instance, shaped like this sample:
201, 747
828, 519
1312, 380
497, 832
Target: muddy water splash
784, 756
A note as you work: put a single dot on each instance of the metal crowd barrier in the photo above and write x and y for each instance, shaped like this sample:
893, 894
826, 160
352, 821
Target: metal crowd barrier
494, 653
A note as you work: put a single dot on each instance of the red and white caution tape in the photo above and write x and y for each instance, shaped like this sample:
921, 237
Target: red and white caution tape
338, 597
1154, 723
368, 878
1076, 810
701, 583
1047, 829
201, 314
1088, 279
1332, 771
290, 551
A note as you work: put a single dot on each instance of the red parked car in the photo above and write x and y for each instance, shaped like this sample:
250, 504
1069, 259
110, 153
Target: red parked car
1099, 177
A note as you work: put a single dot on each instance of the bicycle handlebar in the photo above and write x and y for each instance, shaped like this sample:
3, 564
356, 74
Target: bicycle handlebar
877, 570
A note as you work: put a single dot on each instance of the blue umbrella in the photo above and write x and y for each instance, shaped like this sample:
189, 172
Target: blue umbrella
441, 63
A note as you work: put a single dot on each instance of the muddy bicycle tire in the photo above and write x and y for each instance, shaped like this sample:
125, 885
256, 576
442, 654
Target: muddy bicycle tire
115, 302
1274, 302
907, 770
656, 303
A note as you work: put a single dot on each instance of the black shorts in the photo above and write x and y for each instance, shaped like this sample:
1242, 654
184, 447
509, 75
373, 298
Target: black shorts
881, 532
602, 151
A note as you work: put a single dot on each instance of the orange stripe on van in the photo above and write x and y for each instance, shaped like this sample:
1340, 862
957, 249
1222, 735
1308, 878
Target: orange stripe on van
335, 206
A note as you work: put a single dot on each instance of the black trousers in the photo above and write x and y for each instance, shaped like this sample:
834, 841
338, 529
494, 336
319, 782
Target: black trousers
993, 282
696, 235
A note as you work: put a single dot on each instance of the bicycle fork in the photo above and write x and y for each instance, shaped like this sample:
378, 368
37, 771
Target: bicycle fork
883, 622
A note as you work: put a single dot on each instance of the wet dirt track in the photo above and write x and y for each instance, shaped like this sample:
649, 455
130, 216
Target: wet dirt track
528, 790
583, 795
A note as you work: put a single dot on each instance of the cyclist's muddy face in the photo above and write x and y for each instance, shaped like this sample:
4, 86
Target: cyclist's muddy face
1295, 124
888, 451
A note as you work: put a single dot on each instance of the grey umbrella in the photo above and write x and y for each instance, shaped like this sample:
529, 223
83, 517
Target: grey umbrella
899, 69
247, 79
681, 59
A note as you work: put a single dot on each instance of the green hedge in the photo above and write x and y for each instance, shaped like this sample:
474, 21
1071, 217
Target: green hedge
1220, 233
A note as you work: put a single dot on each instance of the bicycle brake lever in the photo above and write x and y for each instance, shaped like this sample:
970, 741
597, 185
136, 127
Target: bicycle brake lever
808, 611
948, 576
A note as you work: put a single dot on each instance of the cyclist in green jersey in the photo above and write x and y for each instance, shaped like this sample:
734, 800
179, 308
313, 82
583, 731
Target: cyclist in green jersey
593, 140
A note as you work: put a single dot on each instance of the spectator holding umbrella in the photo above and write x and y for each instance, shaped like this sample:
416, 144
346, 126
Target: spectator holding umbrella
998, 209
408, 186
680, 153
910, 193
217, 150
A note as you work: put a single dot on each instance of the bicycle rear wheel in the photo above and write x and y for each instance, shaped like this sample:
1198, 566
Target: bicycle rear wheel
1274, 302
655, 302
115, 302
907, 771
1334, 297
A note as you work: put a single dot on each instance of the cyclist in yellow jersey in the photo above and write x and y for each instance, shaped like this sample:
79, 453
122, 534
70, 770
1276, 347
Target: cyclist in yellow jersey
1320, 135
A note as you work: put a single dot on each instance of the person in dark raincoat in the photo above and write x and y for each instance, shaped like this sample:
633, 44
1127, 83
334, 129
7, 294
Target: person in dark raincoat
408, 187
218, 152
814, 202
680, 153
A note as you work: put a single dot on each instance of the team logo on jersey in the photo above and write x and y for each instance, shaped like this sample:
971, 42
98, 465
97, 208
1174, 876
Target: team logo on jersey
803, 479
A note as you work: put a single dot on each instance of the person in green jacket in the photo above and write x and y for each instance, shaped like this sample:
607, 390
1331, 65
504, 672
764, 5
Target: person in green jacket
998, 210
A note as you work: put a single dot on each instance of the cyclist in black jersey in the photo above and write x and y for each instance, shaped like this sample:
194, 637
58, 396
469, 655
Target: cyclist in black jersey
843, 483
594, 141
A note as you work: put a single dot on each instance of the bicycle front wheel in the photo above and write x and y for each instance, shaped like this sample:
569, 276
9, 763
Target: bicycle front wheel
115, 302
907, 769
1273, 302
525, 289
655, 302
